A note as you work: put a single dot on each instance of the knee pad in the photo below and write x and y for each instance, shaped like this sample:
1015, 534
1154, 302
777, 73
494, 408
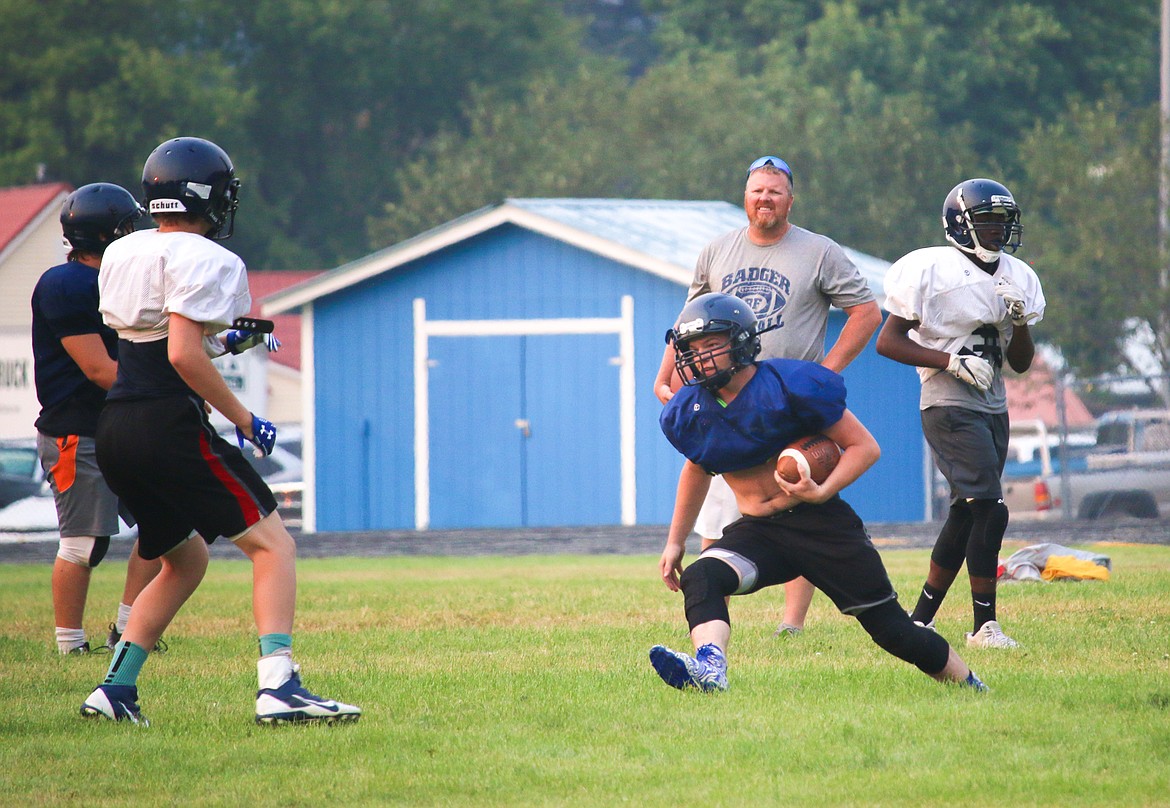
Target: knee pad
896, 633
950, 548
706, 584
84, 551
746, 571
990, 520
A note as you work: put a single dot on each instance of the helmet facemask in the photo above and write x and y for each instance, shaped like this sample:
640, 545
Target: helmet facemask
984, 226
223, 212
711, 314
700, 366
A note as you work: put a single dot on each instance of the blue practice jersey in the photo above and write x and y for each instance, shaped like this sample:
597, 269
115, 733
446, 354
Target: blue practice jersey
65, 304
786, 399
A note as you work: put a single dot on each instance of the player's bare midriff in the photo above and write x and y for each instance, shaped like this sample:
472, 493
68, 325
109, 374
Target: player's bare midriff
756, 491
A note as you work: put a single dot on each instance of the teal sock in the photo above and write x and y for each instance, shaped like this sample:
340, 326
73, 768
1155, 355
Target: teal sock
127, 662
271, 643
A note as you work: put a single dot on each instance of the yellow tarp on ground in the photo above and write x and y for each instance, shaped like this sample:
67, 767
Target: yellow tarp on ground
1059, 566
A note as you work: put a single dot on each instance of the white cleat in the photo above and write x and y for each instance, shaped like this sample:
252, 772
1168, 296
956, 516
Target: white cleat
990, 635
282, 699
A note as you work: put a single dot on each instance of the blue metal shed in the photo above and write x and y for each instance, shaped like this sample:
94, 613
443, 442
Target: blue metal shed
496, 371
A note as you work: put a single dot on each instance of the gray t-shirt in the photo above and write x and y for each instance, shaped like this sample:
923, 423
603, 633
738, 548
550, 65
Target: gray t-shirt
790, 284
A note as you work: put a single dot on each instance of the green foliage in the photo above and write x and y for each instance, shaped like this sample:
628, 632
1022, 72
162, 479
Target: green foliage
505, 681
318, 103
360, 123
369, 83
89, 102
546, 145
1091, 198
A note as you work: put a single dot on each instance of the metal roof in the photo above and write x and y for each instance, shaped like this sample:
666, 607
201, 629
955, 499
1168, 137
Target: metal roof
670, 229
662, 236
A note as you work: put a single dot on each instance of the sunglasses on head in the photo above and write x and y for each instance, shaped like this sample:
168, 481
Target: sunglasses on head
770, 161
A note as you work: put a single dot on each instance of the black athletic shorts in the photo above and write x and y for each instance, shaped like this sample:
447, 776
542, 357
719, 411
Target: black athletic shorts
176, 474
826, 543
969, 448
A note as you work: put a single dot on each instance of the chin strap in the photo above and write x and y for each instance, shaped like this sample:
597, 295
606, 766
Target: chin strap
986, 256
721, 379
983, 254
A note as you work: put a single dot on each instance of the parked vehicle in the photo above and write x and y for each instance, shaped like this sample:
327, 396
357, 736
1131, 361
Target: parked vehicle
1126, 472
20, 471
282, 469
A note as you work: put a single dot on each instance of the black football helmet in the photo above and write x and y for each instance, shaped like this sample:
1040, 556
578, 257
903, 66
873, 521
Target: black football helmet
193, 175
998, 226
96, 214
714, 313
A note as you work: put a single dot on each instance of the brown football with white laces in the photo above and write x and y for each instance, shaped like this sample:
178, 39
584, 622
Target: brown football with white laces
817, 454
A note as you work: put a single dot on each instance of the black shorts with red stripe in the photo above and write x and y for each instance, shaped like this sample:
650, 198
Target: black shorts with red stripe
176, 474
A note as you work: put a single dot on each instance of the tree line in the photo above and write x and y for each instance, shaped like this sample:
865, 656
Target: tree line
357, 123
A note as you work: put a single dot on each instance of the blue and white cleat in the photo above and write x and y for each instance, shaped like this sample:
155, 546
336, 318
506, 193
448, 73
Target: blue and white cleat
282, 699
707, 672
975, 683
115, 702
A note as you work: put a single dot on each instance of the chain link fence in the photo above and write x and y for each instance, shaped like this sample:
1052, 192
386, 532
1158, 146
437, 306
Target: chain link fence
1116, 468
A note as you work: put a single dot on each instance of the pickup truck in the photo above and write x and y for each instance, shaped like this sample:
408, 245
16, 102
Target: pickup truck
20, 471
1125, 473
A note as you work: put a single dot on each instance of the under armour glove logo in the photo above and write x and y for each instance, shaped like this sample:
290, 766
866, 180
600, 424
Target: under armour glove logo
263, 436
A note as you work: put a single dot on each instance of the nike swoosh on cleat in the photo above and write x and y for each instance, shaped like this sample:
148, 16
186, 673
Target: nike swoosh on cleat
331, 706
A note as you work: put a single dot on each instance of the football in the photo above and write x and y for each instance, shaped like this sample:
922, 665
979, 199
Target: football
817, 454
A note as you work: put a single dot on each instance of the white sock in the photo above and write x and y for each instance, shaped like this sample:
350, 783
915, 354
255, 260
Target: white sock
69, 638
123, 618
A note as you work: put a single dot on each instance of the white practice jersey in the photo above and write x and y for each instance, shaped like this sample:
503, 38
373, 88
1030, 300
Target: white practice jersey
148, 275
956, 307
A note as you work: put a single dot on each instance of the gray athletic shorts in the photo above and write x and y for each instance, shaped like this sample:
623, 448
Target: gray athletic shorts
85, 504
969, 448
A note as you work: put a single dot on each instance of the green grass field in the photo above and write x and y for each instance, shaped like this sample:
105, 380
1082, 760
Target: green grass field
525, 681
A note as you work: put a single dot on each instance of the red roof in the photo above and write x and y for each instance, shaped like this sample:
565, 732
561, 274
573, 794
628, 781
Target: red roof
1033, 395
19, 206
288, 326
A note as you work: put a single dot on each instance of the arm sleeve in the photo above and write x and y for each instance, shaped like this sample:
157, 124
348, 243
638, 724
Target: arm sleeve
1035, 295
816, 394
903, 294
701, 282
71, 313
209, 290
841, 280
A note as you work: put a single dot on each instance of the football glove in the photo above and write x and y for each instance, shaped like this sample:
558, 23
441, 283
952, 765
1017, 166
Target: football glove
263, 436
974, 370
1013, 298
239, 340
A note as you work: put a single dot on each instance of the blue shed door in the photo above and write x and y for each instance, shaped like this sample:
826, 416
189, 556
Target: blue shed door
524, 431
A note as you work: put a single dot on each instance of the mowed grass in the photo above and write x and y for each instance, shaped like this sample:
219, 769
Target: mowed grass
525, 681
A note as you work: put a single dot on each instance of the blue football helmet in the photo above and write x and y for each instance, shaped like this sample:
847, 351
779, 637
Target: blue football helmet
193, 175
981, 218
714, 313
96, 214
